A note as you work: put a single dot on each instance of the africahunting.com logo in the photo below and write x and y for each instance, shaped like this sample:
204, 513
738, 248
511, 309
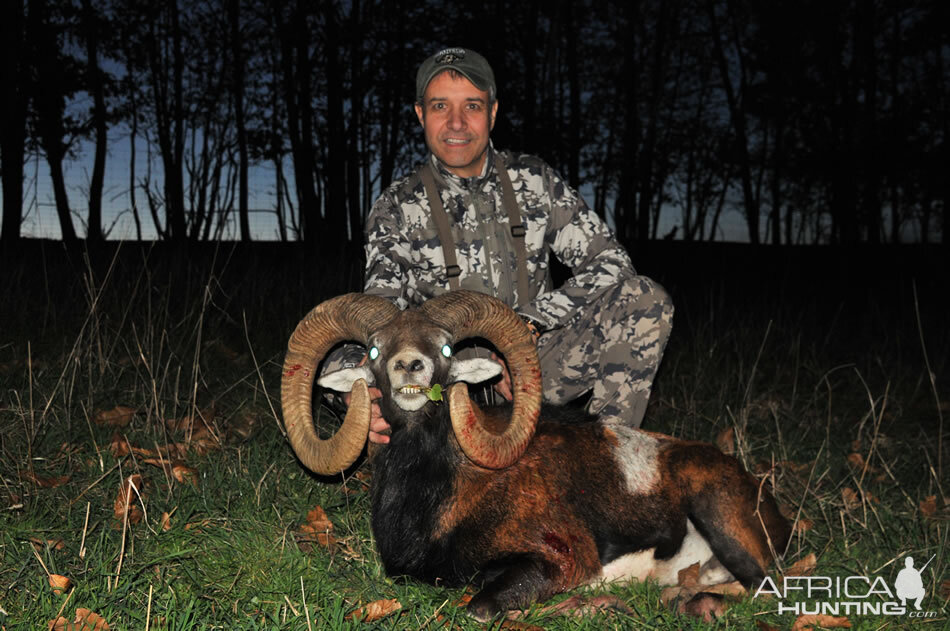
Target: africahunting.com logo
851, 595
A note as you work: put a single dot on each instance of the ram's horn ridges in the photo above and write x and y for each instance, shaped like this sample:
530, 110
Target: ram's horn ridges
471, 314
352, 317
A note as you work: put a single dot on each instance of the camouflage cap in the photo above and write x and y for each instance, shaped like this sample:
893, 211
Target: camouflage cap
467, 62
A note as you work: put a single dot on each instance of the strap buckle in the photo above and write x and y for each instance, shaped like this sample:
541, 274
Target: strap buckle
452, 271
518, 232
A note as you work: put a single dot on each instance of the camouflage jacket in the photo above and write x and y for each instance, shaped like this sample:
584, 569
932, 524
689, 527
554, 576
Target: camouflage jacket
404, 259
405, 263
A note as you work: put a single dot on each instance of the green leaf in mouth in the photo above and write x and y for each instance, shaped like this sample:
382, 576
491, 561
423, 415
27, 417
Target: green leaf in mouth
435, 392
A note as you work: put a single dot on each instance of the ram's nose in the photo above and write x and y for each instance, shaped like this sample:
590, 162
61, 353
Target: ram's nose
410, 366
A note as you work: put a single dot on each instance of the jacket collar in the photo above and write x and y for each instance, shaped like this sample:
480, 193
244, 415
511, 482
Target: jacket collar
458, 184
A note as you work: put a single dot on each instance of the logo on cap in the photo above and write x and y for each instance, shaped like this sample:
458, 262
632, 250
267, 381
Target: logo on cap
450, 55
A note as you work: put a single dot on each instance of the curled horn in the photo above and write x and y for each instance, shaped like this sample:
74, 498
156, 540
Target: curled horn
471, 314
352, 317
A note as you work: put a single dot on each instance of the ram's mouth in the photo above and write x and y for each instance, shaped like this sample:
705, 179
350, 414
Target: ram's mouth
433, 392
412, 390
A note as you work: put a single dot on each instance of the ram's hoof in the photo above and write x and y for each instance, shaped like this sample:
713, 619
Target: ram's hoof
484, 608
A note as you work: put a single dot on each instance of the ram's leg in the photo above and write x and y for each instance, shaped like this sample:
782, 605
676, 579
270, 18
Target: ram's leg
517, 586
730, 513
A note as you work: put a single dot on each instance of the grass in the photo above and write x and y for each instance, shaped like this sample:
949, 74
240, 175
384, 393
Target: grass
802, 394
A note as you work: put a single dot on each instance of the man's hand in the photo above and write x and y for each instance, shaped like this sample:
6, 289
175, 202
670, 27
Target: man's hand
503, 387
378, 427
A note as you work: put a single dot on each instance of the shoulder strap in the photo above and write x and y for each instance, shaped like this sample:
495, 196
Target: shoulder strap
452, 269
525, 291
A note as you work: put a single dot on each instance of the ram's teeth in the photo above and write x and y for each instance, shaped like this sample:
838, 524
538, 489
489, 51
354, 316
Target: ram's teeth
410, 390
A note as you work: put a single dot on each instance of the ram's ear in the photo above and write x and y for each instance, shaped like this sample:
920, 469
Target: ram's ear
474, 370
343, 380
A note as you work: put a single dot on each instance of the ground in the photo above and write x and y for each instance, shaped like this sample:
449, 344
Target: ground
825, 371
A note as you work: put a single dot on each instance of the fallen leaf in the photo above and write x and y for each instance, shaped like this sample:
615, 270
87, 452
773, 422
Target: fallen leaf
119, 416
856, 460
735, 588
803, 567
945, 589
316, 529
686, 580
671, 593
185, 474
856, 444
704, 605
804, 525
131, 493
89, 621
54, 544
46, 483
928, 506
242, 427
726, 441
174, 451
198, 525
375, 610
165, 523
195, 427
764, 626
118, 446
222, 349
805, 623
67, 449
60, 584
203, 446
326, 540
850, 498
519, 626
688, 576
317, 520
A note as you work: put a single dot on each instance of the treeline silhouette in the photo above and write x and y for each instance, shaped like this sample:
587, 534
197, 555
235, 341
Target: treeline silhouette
820, 122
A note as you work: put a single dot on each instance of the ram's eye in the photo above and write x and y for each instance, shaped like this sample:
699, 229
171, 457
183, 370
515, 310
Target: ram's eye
373, 352
447, 350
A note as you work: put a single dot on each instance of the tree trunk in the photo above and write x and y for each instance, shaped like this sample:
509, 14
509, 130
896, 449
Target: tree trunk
866, 62
334, 167
54, 158
738, 117
12, 117
296, 68
646, 164
354, 138
574, 84
237, 86
169, 113
626, 204
96, 87
49, 106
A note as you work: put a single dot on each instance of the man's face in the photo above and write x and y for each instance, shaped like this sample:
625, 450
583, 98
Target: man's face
457, 121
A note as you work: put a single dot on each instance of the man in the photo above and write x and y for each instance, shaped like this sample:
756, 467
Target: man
479, 219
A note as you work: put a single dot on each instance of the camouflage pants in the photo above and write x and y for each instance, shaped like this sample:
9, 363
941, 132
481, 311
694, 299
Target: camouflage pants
613, 347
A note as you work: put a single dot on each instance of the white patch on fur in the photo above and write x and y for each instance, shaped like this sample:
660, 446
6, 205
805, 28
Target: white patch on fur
474, 370
342, 380
636, 454
641, 565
